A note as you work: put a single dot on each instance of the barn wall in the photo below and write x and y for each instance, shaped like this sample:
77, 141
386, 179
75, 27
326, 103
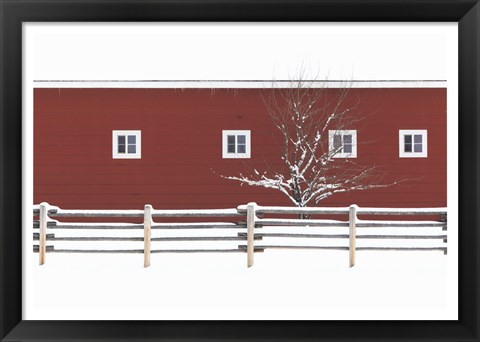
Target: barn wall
182, 147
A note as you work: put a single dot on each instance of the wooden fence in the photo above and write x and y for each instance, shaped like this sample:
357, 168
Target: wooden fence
246, 223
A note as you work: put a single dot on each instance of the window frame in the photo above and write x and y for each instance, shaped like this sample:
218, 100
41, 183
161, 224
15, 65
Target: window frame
126, 155
401, 143
236, 155
342, 132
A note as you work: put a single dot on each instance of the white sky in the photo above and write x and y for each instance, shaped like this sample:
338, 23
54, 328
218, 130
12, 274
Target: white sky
240, 51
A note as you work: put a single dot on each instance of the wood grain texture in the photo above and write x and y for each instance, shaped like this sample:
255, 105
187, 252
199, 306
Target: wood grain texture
250, 233
147, 227
352, 232
181, 148
43, 233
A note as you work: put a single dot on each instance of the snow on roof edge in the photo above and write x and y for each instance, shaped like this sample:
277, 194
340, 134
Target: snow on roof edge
236, 84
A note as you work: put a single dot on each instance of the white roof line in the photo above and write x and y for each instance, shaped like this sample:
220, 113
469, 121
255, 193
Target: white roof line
236, 83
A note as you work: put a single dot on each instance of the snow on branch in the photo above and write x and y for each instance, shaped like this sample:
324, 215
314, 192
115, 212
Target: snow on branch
303, 116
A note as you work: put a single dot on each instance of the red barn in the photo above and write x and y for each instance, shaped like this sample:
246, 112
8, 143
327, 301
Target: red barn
126, 147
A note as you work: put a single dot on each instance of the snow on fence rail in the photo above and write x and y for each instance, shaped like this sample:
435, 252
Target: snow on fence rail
247, 223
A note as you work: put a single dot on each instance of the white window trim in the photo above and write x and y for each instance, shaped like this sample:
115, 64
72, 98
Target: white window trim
225, 153
401, 143
353, 133
137, 155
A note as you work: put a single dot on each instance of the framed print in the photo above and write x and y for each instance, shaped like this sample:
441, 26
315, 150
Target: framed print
240, 171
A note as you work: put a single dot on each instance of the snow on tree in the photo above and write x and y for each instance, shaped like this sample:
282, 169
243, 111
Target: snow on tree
308, 115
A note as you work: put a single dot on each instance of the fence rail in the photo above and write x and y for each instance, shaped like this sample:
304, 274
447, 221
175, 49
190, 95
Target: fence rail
246, 223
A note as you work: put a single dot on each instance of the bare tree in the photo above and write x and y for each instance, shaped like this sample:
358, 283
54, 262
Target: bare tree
316, 144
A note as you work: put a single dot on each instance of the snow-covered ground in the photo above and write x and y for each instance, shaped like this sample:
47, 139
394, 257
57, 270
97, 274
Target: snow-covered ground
282, 284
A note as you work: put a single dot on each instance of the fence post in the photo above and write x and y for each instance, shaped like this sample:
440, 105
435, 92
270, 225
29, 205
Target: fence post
42, 248
147, 227
250, 232
352, 217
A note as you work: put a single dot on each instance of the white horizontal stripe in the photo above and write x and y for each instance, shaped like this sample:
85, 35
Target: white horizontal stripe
238, 84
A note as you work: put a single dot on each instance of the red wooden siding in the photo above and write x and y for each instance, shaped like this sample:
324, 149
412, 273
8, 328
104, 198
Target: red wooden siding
182, 147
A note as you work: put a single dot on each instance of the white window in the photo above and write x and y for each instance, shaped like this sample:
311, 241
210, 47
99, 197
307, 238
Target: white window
236, 144
342, 143
413, 143
126, 144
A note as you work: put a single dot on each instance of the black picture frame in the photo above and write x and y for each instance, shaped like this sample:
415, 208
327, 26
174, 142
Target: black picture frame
15, 12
